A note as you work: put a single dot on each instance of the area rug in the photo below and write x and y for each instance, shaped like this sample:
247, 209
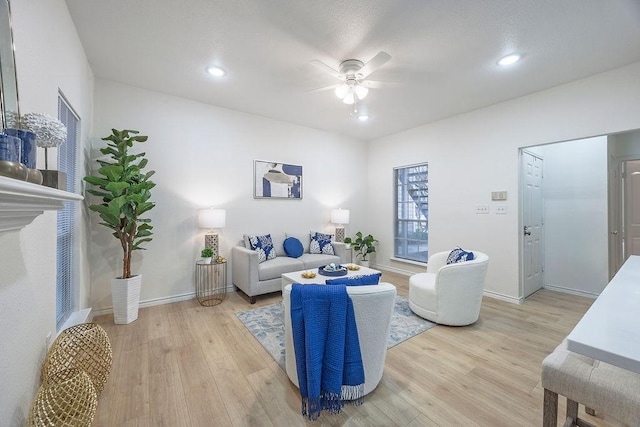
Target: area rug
267, 325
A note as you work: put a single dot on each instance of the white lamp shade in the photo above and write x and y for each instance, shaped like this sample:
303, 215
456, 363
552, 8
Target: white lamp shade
340, 216
212, 218
361, 91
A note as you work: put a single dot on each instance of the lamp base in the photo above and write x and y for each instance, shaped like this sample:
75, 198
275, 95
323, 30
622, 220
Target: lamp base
211, 241
339, 234
54, 179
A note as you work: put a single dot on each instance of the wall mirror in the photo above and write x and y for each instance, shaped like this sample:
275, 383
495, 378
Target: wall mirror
8, 80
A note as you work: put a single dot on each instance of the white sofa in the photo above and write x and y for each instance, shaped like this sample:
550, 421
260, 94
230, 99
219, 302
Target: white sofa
449, 294
373, 308
254, 278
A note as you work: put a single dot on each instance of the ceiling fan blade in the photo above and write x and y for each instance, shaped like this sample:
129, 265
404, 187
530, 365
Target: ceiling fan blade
327, 69
375, 84
376, 62
320, 89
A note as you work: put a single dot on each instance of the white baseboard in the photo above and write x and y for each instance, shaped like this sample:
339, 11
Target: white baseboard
571, 291
158, 301
503, 297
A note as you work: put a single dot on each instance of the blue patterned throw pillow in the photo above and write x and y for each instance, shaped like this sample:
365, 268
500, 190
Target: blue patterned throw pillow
321, 244
264, 246
459, 255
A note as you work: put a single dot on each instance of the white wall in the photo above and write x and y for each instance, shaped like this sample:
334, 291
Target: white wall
203, 155
473, 154
49, 57
575, 215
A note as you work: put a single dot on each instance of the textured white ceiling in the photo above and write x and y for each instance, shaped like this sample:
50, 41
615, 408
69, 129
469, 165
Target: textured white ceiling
444, 52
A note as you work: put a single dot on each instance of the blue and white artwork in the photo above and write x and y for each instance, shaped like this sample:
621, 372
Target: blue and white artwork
274, 180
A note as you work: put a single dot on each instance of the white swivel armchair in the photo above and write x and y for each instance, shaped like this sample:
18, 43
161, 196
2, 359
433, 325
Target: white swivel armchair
373, 307
449, 294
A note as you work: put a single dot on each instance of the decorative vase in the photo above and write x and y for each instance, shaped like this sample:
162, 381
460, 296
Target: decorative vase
28, 153
207, 260
364, 263
125, 294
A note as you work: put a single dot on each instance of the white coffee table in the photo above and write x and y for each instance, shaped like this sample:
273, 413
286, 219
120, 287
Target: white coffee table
296, 276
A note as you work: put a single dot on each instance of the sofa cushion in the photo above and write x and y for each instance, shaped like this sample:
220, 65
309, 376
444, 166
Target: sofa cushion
304, 238
264, 246
293, 247
278, 243
459, 255
369, 279
318, 260
321, 244
276, 267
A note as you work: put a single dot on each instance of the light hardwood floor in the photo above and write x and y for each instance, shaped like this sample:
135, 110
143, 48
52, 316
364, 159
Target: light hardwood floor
183, 364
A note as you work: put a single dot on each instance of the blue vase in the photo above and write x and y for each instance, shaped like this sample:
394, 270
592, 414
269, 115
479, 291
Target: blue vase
29, 151
10, 148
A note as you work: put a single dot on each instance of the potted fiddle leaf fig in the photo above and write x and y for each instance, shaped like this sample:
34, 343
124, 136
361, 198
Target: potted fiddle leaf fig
362, 246
125, 190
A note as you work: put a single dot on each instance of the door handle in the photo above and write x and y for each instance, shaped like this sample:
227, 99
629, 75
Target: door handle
527, 232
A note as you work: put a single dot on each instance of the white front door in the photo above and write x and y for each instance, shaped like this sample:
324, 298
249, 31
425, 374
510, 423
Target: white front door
632, 208
532, 220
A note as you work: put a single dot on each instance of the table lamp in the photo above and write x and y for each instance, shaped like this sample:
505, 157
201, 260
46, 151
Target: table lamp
212, 218
340, 217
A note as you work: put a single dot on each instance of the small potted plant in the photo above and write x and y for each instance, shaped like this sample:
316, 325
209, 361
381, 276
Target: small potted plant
207, 255
363, 246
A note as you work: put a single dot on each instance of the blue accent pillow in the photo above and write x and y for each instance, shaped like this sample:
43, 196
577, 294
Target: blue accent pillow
293, 247
370, 279
459, 255
321, 244
264, 246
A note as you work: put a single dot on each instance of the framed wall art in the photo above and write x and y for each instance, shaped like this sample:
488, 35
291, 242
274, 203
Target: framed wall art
273, 180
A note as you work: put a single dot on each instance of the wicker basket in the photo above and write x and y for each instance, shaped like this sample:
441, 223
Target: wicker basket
86, 347
65, 398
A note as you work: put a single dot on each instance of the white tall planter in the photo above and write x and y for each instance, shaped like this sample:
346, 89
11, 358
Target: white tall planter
125, 294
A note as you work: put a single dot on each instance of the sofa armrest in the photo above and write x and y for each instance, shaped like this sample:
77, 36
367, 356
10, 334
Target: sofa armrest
340, 249
244, 268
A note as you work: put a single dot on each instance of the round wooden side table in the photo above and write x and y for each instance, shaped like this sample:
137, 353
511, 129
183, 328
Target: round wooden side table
211, 282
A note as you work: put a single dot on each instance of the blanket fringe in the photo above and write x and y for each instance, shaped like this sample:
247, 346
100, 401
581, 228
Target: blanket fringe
353, 394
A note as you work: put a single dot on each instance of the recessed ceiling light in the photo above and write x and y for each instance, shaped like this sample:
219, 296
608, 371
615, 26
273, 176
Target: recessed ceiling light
216, 71
510, 59
363, 117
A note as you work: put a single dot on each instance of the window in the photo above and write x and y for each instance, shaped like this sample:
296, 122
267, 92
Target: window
66, 216
411, 212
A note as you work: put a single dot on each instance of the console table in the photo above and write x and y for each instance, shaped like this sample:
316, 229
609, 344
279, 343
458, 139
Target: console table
610, 330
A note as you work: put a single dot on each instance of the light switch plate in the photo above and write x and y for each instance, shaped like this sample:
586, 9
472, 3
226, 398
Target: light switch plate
501, 209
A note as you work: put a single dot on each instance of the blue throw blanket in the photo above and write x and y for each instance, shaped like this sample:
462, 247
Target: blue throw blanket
325, 338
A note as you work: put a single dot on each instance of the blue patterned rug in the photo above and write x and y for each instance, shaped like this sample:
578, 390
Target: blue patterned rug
267, 325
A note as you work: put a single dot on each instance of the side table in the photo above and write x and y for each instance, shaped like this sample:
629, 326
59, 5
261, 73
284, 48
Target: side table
211, 282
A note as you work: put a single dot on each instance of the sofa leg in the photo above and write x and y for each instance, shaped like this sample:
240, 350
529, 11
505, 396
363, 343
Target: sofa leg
590, 411
252, 300
550, 409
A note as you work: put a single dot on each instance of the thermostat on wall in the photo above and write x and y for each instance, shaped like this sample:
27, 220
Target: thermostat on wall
498, 195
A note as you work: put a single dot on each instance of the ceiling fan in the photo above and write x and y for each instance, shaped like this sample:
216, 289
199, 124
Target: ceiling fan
353, 73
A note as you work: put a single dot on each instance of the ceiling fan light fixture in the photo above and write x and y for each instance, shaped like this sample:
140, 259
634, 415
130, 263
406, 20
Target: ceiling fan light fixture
349, 98
361, 91
341, 91
363, 117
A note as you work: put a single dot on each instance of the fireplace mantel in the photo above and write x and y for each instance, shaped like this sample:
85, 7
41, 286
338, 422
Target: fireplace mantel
21, 202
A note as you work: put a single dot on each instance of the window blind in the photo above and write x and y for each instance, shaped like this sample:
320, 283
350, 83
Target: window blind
66, 217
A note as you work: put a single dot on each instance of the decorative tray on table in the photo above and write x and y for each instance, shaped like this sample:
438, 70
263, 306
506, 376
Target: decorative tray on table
332, 270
